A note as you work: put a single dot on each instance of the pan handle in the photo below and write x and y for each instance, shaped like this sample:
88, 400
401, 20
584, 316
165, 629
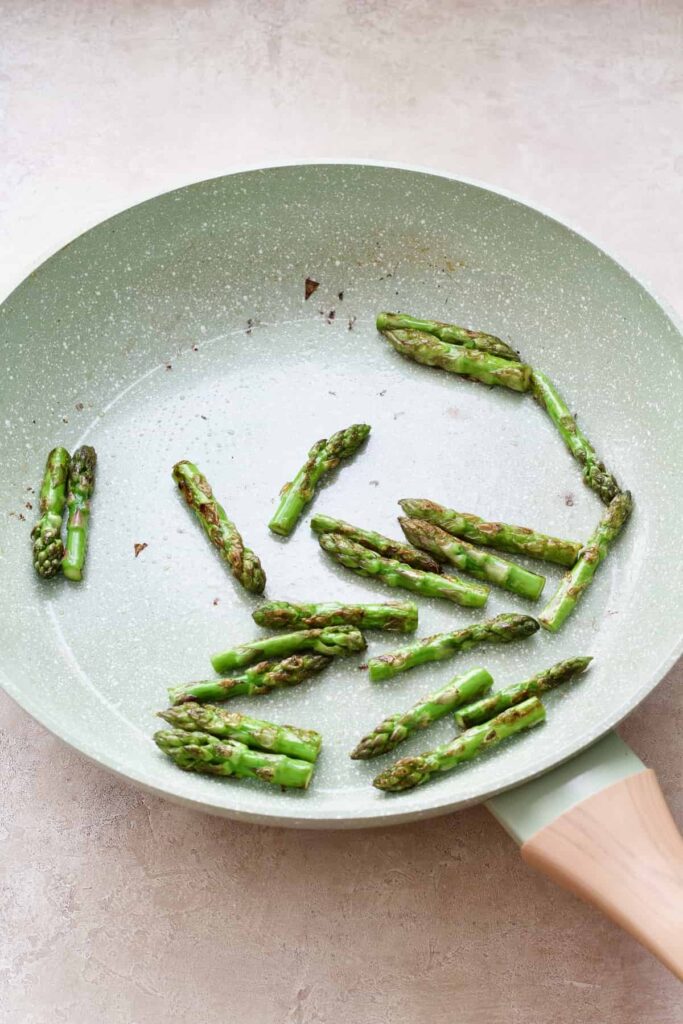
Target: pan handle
620, 849
599, 826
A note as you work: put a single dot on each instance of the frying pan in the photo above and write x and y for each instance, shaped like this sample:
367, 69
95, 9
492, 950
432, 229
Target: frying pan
179, 329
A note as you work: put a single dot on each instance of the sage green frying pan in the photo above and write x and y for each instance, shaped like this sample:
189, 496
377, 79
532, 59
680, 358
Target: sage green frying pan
179, 329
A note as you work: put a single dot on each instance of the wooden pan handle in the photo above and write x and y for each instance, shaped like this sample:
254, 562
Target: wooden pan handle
620, 850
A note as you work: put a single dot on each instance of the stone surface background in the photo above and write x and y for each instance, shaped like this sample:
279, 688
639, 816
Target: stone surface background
119, 907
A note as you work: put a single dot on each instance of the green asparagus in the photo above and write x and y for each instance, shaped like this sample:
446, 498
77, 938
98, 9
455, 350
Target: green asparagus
253, 732
393, 616
573, 583
46, 535
323, 457
482, 564
365, 562
376, 542
413, 771
199, 752
517, 540
81, 486
488, 707
256, 680
471, 363
594, 473
396, 728
448, 333
221, 531
331, 640
501, 630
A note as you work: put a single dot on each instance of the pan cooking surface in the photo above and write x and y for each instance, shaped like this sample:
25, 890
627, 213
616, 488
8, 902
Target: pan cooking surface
179, 329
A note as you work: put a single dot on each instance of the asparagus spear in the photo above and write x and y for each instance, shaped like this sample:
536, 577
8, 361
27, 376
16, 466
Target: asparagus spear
365, 562
448, 333
517, 540
257, 679
81, 486
393, 616
47, 533
253, 732
479, 366
323, 457
331, 640
481, 564
488, 707
413, 771
199, 752
376, 542
221, 531
594, 473
396, 728
573, 583
501, 630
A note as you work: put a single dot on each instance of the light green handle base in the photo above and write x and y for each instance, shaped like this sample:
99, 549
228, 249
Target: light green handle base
526, 809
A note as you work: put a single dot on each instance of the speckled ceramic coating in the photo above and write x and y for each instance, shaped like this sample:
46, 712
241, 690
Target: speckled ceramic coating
179, 329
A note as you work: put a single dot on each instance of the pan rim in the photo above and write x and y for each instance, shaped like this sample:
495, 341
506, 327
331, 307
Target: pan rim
384, 813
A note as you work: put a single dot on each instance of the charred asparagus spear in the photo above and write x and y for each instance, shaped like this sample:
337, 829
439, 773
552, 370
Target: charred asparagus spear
517, 540
471, 363
501, 630
488, 707
594, 473
331, 641
199, 752
573, 583
254, 681
413, 771
376, 542
46, 535
81, 486
253, 732
323, 457
482, 564
365, 562
221, 531
396, 728
449, 333
393, 616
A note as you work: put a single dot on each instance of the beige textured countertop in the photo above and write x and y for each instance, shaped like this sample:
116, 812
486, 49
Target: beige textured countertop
121, 908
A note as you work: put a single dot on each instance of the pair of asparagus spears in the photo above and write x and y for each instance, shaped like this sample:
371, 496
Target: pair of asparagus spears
213, 741
67, 482
245, 566
409, 772
301, 655
419, 568
486, 719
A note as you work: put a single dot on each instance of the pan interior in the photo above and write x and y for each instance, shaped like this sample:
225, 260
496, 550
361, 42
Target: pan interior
179, 329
